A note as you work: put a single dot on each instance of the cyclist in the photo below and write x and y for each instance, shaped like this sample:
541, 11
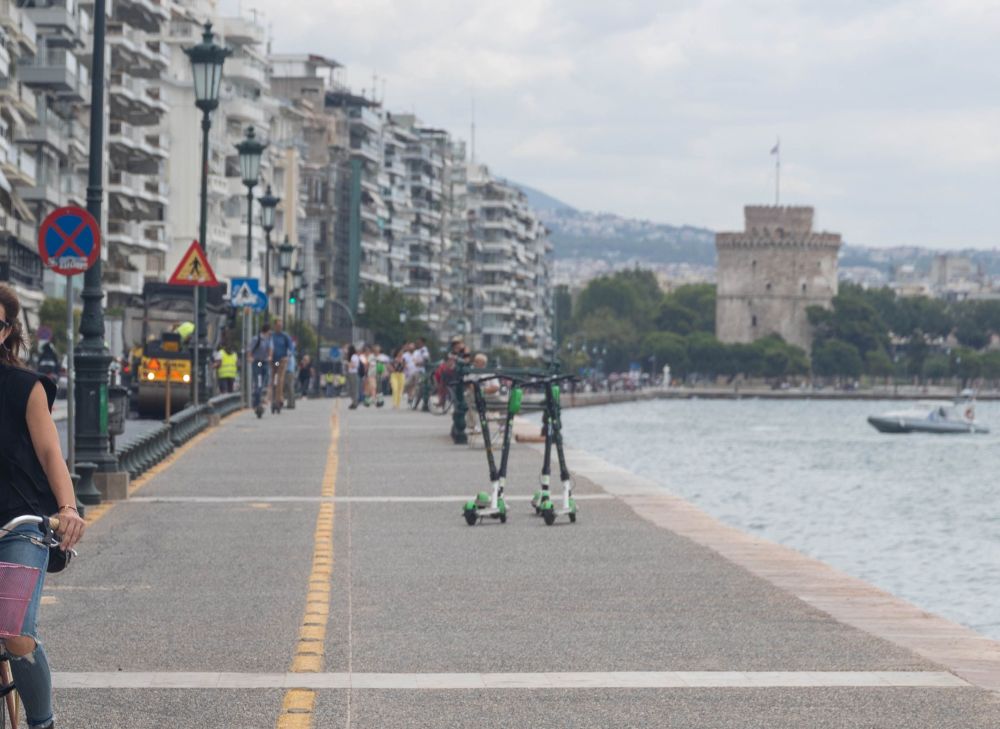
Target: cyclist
281, 348
33, 480
259, 357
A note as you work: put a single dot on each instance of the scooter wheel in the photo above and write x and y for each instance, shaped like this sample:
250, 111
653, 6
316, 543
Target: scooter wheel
572, 518
260, 412
471, 517
503, 518
550, 517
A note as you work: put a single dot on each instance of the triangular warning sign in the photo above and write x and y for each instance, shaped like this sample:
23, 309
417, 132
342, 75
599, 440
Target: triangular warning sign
193, 270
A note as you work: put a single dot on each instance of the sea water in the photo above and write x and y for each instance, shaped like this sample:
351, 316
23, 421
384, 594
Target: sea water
916, 515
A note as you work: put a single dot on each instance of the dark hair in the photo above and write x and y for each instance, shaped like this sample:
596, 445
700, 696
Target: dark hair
265, 327
351, 351
14, 345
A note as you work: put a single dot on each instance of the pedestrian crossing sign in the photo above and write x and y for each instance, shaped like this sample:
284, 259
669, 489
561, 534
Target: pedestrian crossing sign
194, 269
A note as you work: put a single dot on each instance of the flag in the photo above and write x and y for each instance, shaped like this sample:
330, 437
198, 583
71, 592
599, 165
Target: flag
774, 149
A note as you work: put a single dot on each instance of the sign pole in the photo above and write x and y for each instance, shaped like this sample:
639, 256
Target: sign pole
196, 339
70, 375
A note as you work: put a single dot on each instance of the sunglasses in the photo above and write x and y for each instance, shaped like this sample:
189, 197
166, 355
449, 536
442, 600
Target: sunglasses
4, 324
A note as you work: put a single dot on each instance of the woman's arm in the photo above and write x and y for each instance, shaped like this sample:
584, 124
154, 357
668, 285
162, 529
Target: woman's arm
45, 439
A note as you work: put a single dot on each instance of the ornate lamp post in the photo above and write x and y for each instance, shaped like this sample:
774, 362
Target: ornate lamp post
250, 150
92, 359
207, 60
268, 202
320, 288
285, 251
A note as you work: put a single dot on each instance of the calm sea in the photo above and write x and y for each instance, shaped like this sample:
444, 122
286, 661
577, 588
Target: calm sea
917, 515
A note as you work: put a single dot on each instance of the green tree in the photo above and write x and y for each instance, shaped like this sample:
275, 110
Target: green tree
936, 367
990, 365
836, 358
52, 314
707, 355
878, 364
668, 349
383, 306
699, 299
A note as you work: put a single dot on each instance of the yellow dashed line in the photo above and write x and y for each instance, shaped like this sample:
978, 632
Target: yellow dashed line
297, 707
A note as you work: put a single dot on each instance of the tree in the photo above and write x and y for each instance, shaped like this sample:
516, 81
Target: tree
667, 349
699, 299
673, 317
602, 330
936, 367
383, 306
877, 363
990, 366
836, 358
706, 354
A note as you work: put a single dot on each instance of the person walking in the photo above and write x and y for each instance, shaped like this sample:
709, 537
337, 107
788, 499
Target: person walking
281, 346
290, 369
225, 364
305, 376
33, 480
353, 376
397, 378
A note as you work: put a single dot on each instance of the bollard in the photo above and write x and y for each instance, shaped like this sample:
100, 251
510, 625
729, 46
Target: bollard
80, 508
458, 434
88, 493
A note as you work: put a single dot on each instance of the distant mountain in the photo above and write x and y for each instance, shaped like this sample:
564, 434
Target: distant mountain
541, 202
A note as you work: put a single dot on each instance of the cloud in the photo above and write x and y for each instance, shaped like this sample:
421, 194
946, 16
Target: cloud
666, 110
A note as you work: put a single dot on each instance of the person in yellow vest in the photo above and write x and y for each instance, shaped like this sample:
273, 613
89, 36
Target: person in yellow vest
225, 365
185, 329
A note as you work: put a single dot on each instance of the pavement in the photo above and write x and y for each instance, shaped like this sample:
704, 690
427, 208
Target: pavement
313, 569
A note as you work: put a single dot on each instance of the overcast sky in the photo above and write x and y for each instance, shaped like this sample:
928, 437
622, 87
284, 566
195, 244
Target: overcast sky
667, 109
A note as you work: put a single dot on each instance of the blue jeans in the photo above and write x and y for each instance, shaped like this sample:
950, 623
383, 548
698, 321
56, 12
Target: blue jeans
31, 672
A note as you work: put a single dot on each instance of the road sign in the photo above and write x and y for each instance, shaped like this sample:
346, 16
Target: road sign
194, 270
69, 241
246, 292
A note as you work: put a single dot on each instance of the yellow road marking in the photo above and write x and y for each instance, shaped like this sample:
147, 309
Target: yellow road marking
297, 706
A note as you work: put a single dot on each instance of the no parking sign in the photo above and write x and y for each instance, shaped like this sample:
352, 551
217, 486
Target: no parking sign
69, 241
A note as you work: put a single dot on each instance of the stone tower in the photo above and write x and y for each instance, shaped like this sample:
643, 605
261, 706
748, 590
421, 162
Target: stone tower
771, 272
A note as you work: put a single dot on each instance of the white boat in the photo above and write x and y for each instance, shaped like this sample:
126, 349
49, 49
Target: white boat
931, 417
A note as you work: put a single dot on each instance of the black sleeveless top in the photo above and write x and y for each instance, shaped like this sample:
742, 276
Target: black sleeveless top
24, 487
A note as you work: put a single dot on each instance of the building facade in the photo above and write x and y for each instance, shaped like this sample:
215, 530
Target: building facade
771, 272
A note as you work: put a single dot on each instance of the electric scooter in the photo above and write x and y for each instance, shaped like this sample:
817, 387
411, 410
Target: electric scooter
492, 505
552, 423
259, 375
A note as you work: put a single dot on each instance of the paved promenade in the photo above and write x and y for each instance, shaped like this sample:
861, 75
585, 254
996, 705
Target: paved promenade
313, 569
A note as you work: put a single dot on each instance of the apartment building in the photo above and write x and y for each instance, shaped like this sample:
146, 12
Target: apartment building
509, 270
44, 100
138, 233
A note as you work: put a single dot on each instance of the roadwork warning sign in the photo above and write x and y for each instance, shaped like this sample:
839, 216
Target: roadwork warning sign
193, 270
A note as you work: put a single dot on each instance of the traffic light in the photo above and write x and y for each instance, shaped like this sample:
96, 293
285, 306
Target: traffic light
291, 298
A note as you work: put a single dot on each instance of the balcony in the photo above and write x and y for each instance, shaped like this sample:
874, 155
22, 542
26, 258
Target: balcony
19, 264
122, 281
19, 26
218, 186
135, 102
60, 24
243, 31
366, 117
47, 193
247, 70
51, 131
146, 15
141, 236
132, 52
56, 71
132, 146
247, 111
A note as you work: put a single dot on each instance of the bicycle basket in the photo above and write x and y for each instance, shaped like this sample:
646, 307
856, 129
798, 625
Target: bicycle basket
17, 585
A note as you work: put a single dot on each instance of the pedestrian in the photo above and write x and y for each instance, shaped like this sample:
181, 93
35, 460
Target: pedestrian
397, 378
367, 374
34, 480
305, 375
382, 371
353, 376
225, 364
290, 369
281, 345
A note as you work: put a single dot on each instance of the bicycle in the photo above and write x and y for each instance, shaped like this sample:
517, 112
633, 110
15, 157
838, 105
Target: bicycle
17, 585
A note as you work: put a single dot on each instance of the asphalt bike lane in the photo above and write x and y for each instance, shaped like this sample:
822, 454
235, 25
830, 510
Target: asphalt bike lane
164, 589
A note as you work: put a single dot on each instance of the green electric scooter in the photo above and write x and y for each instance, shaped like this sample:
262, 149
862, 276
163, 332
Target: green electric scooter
491, 505
552, 424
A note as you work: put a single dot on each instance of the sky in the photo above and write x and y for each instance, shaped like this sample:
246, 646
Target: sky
888, 113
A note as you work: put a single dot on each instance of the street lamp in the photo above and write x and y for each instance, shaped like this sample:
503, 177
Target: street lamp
250, 150
320, 294
299, 285
207, 59
268, 202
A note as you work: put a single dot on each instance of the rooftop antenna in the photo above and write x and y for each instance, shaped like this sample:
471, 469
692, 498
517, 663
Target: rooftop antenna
776, 151
472, 133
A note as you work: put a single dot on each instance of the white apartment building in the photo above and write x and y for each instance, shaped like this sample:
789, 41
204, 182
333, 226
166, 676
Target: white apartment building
138, 232
510, 268
45, 128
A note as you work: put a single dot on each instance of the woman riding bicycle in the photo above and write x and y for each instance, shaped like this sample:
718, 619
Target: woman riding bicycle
33, 480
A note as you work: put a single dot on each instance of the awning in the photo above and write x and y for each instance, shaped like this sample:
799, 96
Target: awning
4, 183
22, 209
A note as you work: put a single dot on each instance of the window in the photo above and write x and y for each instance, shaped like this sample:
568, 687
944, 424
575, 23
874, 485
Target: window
768, 287
803, 288
753, 321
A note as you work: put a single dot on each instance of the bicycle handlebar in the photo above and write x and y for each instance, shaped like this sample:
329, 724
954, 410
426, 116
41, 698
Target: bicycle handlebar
52, 521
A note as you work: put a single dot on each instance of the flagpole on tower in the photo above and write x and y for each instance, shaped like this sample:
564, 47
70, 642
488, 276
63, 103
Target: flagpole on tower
776, 151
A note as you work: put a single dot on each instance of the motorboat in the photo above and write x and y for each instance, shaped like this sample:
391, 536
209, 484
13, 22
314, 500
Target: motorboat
931, 417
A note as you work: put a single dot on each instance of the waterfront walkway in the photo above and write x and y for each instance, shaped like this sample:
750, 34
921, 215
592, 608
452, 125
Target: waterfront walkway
314, 569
